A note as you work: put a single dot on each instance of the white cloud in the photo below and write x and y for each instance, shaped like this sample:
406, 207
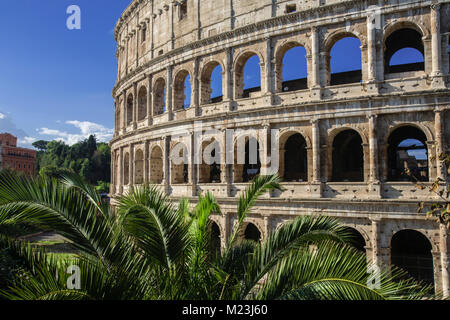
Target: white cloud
2, 116
27, 140
86, 128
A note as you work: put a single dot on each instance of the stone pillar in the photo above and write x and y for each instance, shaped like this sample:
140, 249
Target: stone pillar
149, 100
443, 246
376, 242
223, 158
316, 150
121, 171
170, 8
196, 87
374, 181
135, 106
132, 166
268, 81
371, 55
127, 38
169, 92
229, 83
267, 225
124, 115
315, 65
166, 163
436, 40
193, 175
146, 162
438, 125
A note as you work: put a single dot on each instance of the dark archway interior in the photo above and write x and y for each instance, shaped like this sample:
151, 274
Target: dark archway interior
407, 155
411, 251
214, 169
215, 238
400, 39
252, 166
295, 159
252, 233
348, 157
129, 109
357, 240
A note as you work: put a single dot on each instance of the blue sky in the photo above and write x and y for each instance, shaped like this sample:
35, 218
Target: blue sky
56, 83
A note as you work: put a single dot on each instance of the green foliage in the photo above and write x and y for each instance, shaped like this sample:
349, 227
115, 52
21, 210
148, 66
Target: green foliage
88, 158
440, 209
153, 249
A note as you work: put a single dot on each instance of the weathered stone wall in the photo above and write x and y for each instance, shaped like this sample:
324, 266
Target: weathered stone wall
161, 42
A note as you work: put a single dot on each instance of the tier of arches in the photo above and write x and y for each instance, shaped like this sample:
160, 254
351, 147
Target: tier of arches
409, 249
346, 159
298, 64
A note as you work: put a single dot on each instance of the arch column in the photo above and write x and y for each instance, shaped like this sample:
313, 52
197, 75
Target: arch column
121, 171
375, 187
166, 164
228, 84
149, 100
169, 92
443, 246
435, 25
315, 65
135, 106
268, 72
132, 166
438, 125
124, 115
146, 161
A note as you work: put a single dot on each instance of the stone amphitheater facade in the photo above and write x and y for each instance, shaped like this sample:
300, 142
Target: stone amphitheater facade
346, 126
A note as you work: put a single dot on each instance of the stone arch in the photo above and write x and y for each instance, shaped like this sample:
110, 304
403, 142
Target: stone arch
206, 82
179, 167
129, 113
401, 35
142, 103
298, 84
251, 231
400, 161
358, 239
159, 96
139, 167
126, 169
179, 87
210, 169
353, 76
246, 164
156, 165
411, 250
239, 66
294, 156
343, 142
216, 236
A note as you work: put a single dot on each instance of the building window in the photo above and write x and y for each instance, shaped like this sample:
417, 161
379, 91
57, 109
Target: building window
183, 10
290, 8
144, 34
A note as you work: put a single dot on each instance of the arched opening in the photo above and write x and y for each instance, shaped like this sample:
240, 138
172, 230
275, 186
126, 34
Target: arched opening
247, 161
404, 51
292, 68
179, 169
348, 157
126, 169
407, 155
182, 90
209, 169
356, 239
130, 109
345, 61
156, 166
411, 251
211, 83
248, 75
159, 97
139, 167
252, 233
142, 103
295, 159
215, 238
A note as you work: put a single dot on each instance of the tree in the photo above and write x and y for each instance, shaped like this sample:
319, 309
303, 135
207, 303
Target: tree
41, 145
150, 248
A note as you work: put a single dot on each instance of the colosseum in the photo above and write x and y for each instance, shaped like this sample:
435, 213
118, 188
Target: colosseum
341, 140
